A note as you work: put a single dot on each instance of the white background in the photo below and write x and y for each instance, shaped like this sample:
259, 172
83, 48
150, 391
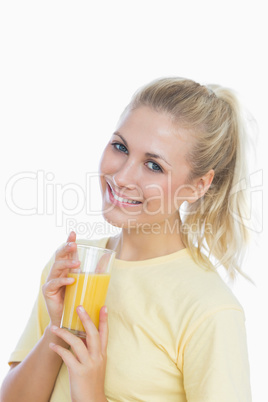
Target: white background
67, 70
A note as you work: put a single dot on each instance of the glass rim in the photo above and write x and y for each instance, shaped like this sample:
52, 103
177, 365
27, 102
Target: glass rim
107, 250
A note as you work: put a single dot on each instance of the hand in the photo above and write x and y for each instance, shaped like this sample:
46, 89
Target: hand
54, 289
87, 364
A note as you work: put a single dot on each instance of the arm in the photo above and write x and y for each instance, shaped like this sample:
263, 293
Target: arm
39, 370
30, 380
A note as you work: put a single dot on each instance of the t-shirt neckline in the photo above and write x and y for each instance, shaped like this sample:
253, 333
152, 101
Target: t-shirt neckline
151, 261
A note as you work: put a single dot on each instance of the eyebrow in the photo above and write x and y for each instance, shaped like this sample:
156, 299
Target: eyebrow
147, 154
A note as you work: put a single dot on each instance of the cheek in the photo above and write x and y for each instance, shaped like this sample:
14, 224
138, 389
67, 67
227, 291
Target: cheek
156, 194
174, 191
180, 193
109, 163
166, 188
104, 161
103, 166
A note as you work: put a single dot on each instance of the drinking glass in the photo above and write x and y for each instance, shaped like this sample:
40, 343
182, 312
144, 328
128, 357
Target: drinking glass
89, 289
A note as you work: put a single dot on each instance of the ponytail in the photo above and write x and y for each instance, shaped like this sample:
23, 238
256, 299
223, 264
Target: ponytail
214, 115
221, 212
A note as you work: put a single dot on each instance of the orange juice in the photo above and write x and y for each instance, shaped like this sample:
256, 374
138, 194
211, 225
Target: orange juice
88, 290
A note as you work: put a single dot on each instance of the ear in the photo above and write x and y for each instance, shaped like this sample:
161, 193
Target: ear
201, 186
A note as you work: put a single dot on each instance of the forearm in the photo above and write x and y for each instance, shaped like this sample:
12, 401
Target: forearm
34, 378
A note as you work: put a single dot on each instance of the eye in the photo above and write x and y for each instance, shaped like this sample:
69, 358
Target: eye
154, 167
119, 147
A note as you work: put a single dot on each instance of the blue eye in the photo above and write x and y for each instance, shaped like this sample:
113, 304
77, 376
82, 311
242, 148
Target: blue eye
120, 147
154, 166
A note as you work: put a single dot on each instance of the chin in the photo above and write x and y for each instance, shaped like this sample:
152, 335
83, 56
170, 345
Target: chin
120, 222
112, 219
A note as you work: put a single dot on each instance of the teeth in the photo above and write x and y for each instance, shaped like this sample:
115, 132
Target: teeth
124, 199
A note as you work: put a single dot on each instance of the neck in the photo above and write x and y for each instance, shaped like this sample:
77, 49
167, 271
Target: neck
136, 245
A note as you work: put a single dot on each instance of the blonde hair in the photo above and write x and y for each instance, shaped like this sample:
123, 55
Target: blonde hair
213, 115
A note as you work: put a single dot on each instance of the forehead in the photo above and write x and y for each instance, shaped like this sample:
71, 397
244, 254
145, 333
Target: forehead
153, 131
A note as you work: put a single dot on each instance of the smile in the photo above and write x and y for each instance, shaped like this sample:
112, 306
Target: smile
121, 200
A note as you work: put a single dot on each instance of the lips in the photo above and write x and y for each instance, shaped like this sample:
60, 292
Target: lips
117, 199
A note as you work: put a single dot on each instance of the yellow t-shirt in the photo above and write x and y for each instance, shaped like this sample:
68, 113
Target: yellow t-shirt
176, 333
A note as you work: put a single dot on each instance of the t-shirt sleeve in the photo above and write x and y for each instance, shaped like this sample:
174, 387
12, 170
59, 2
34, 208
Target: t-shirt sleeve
38, 321
215, 362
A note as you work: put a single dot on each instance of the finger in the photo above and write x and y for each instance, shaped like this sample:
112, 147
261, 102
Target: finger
77, 345
67, 356
92, 334
72, 240
53, 286
66, 250
103, 329
71, 237
61, 267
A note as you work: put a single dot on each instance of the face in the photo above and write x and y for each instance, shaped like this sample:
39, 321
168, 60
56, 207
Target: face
143, 170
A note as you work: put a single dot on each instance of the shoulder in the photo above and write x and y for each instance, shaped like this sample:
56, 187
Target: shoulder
202, 289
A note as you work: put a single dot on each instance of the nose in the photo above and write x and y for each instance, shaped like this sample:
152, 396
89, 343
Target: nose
126, 176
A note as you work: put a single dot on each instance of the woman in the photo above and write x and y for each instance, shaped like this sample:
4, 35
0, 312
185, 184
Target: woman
176, 332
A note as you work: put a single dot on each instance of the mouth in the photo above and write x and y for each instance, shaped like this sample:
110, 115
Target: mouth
116, 199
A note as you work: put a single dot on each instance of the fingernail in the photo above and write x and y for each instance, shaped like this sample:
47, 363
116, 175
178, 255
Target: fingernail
81, 309
105, 309
54, 328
